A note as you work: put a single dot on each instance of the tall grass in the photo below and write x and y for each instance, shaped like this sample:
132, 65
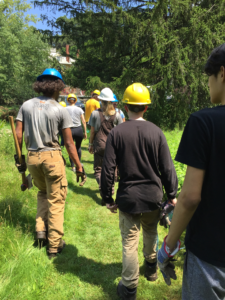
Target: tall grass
90, 265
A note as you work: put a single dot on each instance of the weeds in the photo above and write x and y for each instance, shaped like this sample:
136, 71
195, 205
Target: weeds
90, 266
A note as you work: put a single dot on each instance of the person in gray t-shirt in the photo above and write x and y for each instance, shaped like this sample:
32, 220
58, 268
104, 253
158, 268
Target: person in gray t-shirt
40, 119
77, 115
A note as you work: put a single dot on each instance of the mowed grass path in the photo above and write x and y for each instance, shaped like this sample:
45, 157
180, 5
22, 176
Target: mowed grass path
90, 265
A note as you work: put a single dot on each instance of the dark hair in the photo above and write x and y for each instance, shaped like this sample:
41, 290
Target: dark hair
48, 85
215, 61
136, 108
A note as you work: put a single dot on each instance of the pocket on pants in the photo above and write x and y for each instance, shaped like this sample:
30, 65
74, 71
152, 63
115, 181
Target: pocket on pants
53, 170
64, 184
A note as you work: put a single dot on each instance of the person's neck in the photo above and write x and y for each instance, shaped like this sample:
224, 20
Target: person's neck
72, 104
135, 116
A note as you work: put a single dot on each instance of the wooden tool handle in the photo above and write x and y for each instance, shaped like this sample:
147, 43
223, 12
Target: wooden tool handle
18, 151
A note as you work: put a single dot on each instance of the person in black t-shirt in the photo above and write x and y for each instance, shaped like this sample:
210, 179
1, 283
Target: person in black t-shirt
140, 151
201, 203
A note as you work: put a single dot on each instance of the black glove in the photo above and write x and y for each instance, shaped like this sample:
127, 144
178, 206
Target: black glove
21, 167
81, 175
167, 207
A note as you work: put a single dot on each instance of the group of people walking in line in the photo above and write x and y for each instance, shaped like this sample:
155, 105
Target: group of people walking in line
138, 150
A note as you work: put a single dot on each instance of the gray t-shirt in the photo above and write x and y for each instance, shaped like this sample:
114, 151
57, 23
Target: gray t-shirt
95, 120
75, 113
42, 119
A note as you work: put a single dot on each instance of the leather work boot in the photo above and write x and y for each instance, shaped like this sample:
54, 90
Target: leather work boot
124, 294
41, 238
59, 250
151, 272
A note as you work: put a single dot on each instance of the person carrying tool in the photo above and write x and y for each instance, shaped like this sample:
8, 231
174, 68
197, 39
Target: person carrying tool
77, 115
201, 207
140, 150
91, 105
40, 119
101, 122
115, 103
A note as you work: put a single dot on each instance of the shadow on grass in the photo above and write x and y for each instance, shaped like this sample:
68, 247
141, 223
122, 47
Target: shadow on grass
88, 270
16, 213
85, 191
87, 161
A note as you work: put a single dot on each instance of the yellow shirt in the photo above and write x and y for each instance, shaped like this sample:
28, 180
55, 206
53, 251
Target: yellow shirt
90, 106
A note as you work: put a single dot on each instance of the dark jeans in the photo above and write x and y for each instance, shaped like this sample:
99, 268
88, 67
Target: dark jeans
77, 134
98, 160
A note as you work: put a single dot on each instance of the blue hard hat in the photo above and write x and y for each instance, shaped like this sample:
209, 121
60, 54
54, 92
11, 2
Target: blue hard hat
115, 99
50, 72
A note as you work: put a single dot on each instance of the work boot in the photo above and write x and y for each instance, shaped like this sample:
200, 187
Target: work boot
41, 238
59, 250
151, 272
124, 293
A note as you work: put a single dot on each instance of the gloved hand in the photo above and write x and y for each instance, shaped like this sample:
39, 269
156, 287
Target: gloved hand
167, 207
112, 207
164, 258
21, 167
81, 175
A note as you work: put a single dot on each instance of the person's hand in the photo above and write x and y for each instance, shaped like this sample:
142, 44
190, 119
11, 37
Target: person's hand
20, 166
164, 258
81, 174
85, 135
167, 207
112, 207
91, 149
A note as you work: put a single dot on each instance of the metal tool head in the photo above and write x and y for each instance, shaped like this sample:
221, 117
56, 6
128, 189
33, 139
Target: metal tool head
28, 185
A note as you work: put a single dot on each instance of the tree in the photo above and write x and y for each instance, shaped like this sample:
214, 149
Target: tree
23, 54
163, 44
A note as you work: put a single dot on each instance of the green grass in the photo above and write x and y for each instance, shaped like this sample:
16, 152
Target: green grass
90, 266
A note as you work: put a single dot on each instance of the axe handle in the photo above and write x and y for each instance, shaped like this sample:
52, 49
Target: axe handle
18, 151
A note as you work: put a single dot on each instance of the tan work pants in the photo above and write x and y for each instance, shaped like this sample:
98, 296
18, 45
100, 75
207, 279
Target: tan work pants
130, 228
48, 172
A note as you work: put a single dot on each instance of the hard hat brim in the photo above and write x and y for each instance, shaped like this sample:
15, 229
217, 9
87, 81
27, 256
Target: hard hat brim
104, 99
40, 77
135, 103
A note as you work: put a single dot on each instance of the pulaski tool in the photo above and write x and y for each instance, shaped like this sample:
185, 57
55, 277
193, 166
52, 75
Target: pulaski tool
26, 181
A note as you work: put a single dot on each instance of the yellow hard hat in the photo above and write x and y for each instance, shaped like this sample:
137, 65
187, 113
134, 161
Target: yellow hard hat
96, 92
62, 103
136, 94
72, 96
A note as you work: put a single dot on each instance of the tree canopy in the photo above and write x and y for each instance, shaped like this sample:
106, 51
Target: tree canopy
23, 54
163, 44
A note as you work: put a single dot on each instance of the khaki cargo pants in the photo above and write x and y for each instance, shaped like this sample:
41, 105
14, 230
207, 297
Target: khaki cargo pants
48, 172
130, 229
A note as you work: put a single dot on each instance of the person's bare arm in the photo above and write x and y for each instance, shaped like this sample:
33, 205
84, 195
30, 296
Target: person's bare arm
124, 120
84, 124
71, 149
19, 133
92, 135
187, 203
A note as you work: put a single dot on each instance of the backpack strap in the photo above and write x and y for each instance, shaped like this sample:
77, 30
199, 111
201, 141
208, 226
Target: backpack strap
101, 115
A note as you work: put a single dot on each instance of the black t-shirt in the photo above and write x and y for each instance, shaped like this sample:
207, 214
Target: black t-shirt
140, 150
203, 147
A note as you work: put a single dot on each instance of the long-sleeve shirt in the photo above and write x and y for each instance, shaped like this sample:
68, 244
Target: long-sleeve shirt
139, 149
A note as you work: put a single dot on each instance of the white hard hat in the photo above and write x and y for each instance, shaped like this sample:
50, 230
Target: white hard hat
106, 95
